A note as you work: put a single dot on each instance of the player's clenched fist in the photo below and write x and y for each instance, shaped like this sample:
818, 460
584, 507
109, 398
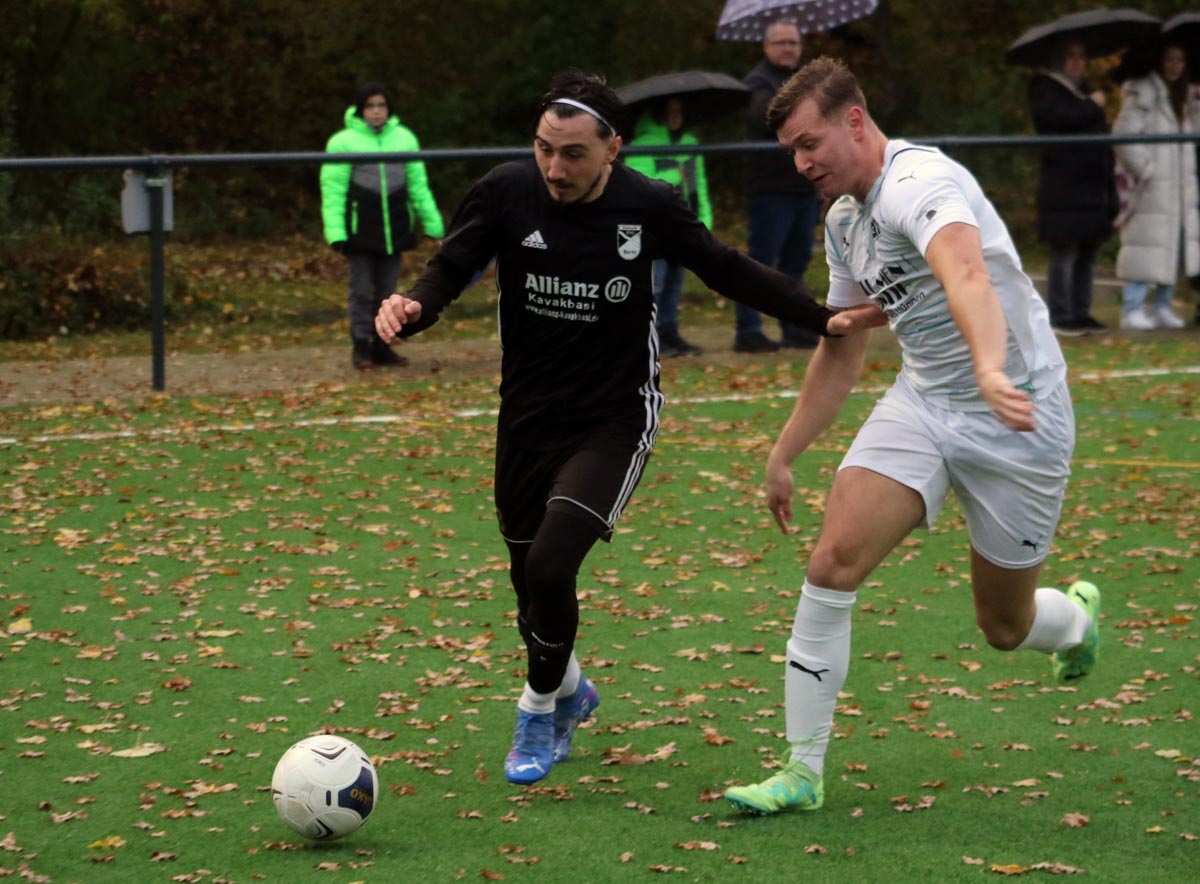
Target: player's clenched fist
395, 313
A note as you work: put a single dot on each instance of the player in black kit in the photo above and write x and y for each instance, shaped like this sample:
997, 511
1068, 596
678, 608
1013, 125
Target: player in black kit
575, 236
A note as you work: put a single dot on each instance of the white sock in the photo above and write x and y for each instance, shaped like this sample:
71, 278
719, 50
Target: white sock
532, 701
1058, 623
570, 682
818, 659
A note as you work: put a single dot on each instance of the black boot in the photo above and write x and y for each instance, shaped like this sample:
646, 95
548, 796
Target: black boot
796, 338
754, 342
383, 354
360, 356
671, 343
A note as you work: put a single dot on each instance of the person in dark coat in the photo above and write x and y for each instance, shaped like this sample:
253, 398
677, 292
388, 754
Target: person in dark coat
1076, 195
782, 205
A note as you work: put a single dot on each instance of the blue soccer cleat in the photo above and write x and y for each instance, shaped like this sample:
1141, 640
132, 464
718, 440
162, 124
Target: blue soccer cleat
570, 712
532, 752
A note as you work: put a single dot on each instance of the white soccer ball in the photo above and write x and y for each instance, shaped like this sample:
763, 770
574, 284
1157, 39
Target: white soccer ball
324, 787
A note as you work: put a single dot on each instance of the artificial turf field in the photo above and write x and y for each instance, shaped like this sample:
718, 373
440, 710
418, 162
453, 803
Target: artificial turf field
187, 586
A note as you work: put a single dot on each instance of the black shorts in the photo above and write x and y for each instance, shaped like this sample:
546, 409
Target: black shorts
595, 474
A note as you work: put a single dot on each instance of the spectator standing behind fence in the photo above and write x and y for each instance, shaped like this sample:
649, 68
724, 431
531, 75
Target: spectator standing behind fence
1161, 225
685, 172
782, 205
1076, 195
370, 210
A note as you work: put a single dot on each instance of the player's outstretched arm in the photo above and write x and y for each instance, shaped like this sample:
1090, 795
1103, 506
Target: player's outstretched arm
856, 319
395, 313
955, 256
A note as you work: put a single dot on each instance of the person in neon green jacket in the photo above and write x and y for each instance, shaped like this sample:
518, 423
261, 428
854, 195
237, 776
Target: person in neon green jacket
685, 172
370, 212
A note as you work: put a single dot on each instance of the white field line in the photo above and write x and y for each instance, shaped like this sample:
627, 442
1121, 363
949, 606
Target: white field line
1138, 373
167, 432
267, 426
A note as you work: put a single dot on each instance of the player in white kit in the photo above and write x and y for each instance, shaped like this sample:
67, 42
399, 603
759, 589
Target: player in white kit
980, 406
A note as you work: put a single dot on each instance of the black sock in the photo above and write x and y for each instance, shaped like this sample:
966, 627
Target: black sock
552, 617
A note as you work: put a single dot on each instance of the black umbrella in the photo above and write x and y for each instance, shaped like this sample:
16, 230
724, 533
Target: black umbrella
1101, 31
1182, 30
705, 94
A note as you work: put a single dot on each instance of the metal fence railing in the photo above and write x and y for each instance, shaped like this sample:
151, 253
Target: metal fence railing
156, 167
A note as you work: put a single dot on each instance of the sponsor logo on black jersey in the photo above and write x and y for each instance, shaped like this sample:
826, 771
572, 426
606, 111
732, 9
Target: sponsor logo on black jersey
552, 285
534, 241
629, 241
617, 289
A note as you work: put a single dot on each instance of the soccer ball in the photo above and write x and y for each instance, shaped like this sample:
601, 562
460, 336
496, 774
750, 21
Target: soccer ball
324, 787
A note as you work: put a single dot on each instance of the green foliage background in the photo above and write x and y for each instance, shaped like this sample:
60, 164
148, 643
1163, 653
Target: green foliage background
122, 77
91, 77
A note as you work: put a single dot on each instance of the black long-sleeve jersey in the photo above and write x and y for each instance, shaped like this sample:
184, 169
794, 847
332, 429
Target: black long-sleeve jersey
576, 309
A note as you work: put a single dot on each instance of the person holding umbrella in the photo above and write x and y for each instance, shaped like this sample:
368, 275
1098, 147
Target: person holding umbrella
576, 234
1161, 228
1076, 194
782, 207
664, 108
664, 125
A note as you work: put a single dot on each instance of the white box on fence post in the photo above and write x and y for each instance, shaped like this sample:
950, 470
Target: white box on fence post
135, 201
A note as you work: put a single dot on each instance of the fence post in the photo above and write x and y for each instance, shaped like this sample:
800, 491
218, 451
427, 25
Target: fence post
156, 180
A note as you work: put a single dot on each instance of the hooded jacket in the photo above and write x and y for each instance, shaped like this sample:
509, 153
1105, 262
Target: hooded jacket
1167, 201
684, 172
373, 207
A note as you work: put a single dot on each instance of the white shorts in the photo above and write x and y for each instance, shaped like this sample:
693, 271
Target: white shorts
1010, 484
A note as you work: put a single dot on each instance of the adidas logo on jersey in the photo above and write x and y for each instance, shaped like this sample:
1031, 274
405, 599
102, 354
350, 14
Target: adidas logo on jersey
534, 241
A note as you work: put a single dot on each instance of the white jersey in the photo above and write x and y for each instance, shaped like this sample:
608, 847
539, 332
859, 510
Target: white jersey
876, 254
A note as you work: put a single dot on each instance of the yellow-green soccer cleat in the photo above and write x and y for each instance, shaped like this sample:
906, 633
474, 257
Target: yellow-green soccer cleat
796, 787
1074, 663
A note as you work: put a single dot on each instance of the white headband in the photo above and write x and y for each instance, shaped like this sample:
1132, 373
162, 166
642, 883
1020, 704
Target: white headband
584, 107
